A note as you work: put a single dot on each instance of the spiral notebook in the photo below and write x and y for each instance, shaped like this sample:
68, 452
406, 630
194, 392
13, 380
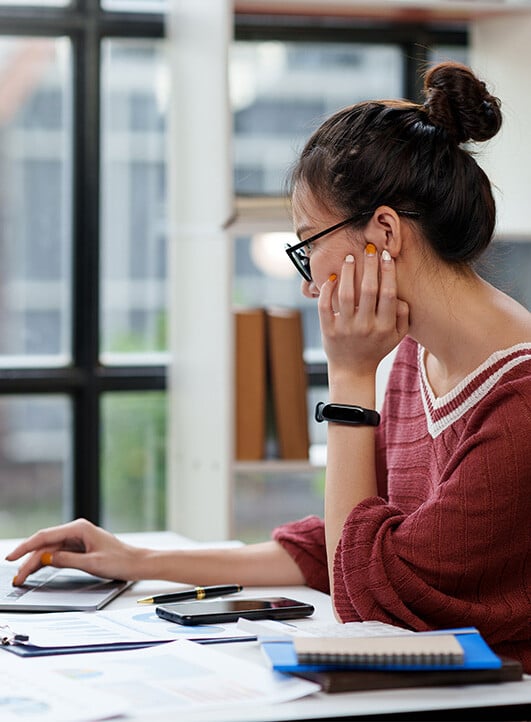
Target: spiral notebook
442, 649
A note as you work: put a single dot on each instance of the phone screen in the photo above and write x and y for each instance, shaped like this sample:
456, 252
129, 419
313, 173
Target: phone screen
230, 610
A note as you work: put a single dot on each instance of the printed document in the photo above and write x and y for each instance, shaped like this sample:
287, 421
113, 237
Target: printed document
169, 679
133, 624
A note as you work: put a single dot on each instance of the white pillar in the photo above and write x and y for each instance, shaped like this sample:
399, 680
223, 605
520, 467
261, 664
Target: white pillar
501, 55
200, 203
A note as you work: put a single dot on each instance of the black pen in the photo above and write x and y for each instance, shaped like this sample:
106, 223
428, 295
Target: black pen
195, 593
224, 640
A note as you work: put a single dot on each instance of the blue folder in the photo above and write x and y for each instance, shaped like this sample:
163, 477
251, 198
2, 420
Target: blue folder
478, 655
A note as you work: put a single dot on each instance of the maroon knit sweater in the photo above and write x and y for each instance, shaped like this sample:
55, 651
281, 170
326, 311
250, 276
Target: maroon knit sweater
448, 540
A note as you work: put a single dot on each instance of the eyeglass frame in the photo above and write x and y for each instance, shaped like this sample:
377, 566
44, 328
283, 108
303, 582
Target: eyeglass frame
302, 263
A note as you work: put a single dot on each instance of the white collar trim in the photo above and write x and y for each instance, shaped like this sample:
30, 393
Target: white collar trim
438, 419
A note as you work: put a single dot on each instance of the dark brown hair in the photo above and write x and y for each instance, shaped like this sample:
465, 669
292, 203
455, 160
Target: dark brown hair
408, 156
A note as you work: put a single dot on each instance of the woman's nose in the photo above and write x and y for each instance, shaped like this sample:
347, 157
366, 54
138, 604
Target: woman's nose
309, 289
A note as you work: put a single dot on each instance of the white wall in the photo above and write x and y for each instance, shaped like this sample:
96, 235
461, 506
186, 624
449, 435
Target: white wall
501, 54
200, 198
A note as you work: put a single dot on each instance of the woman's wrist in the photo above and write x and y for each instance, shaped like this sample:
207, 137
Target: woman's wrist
151, 564
352, 389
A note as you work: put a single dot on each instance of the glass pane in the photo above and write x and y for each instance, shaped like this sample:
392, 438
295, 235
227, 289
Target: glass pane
265, 499
134, 105
35, 463
134, 461
139, 6
442, 53
264, 276
36, 202
35, 3
281, 91
507, 265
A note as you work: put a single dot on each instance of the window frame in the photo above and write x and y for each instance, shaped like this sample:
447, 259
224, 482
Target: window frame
86, 379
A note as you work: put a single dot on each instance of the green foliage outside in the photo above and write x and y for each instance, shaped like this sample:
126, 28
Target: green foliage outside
154, 342
134, 461
134, 445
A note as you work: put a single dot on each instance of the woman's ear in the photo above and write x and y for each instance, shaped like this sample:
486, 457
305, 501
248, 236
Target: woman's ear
385, 230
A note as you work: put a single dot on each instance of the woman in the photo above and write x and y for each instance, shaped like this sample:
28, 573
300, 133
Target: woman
426, 515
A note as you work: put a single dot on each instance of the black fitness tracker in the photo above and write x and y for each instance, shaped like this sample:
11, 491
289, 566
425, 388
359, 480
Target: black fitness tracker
344, 414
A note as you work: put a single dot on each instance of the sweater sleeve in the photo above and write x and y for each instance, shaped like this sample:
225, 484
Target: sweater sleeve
304, 541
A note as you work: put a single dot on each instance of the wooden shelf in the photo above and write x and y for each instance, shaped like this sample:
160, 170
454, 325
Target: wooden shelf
274, 466
400, 11
316, 462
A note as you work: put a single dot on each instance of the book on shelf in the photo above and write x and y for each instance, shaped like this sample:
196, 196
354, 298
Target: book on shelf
288, 381
250, 383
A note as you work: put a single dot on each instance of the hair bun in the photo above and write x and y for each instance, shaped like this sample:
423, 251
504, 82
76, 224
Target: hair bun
460, 103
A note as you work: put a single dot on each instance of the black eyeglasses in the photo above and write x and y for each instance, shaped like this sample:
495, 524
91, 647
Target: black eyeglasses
297, 253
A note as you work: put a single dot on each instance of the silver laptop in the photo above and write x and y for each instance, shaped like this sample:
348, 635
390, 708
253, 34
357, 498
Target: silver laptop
56, 590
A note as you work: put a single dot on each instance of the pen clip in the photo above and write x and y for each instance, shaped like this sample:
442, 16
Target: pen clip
8, 636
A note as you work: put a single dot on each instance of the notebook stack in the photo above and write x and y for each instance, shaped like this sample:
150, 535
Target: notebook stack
365, 663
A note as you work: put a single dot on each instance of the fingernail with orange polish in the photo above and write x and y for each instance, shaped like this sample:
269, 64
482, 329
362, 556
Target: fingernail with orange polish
332, 277
14, 582
46, 559
370, 249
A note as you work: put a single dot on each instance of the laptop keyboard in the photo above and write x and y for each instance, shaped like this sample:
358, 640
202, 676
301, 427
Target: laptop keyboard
9, 592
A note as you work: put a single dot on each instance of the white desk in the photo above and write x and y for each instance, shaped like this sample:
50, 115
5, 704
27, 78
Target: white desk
508, 701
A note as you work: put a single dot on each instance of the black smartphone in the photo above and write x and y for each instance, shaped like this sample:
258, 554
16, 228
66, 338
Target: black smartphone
230, 610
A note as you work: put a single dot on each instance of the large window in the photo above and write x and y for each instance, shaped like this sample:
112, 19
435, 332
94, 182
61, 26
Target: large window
83, 347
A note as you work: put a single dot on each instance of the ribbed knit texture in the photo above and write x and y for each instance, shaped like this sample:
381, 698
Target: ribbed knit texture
450, 543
